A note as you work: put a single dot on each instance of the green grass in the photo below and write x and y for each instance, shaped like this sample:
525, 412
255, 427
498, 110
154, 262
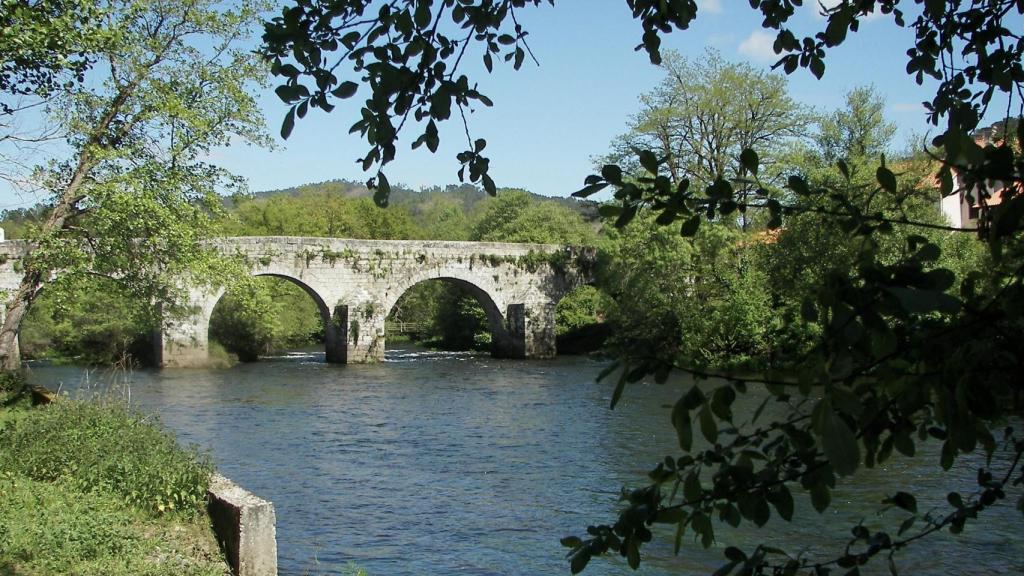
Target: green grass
94, 488
55, 528
100, 446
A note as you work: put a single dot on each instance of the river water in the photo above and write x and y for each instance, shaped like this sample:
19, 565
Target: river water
434, 463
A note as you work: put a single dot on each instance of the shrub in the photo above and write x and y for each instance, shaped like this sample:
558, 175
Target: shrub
104, 447
10, 383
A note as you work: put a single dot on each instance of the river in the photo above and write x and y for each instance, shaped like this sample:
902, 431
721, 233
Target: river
453, 463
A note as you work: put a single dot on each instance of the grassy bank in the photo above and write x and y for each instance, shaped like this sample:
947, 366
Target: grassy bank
93, 488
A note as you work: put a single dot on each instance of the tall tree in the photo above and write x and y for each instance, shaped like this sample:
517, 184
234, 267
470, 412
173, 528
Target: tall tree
858, 131
702, 116
132, 199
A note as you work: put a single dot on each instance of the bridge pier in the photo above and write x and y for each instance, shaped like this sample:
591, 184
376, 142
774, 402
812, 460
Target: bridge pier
360, 333
334, 343
529, 331
183, 342
354, 333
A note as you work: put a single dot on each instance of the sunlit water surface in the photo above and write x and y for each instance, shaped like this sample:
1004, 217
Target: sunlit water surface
452, 463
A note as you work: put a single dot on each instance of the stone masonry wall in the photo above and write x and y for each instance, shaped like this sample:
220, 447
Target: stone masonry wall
355, 283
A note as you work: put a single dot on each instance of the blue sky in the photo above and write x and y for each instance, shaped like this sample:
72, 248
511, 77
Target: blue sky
549, 122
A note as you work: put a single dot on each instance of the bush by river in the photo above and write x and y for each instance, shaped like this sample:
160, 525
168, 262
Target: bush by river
90, 487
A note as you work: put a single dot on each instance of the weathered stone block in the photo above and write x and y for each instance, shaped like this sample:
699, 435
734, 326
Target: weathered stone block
245, 528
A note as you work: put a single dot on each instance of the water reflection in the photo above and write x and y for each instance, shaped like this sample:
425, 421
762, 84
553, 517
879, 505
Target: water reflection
441, 463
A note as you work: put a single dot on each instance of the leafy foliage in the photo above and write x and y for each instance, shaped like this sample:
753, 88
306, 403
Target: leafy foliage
104, 448
408, 56
265, 315
697, 298
46, 45
703, 115
91, 321
133, 196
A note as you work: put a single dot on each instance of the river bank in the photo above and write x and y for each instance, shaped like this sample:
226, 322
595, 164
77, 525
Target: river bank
91, 488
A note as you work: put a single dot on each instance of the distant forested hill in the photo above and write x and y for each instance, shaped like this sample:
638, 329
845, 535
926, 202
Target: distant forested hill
466, 196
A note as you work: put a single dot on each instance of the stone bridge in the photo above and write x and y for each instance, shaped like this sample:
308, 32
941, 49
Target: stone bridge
356, 283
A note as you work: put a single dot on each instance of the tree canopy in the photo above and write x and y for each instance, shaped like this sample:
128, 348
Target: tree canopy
704, 113
47, 45
133, 195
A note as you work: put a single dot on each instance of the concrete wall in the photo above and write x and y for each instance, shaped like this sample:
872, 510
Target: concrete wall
245, 526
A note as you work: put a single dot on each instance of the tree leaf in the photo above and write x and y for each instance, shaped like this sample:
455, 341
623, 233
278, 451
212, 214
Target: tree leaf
844, 168
692, 490
690, 227
649, 161
617, 392
749, 160
708, 426
906, 525
489, 185
886, 179
633, 554
612, 173
571, 542
579, 560
782, 499
918, 301
681, 422
821, 497
346, 89
905, 501
288, 124
837, 440
590, 190
383, 190
817, 66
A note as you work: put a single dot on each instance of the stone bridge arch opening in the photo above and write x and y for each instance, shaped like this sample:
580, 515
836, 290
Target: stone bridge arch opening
452, 314
289, 314
90, 320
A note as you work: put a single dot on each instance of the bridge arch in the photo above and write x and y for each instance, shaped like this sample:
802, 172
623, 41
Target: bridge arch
501, 339
185, 342
355, 283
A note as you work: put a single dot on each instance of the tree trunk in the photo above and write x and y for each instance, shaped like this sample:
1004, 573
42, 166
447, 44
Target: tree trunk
70, 197
15, 311
20, 303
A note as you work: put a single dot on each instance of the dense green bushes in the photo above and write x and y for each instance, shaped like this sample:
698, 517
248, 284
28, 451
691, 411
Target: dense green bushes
100, 447
90, 321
